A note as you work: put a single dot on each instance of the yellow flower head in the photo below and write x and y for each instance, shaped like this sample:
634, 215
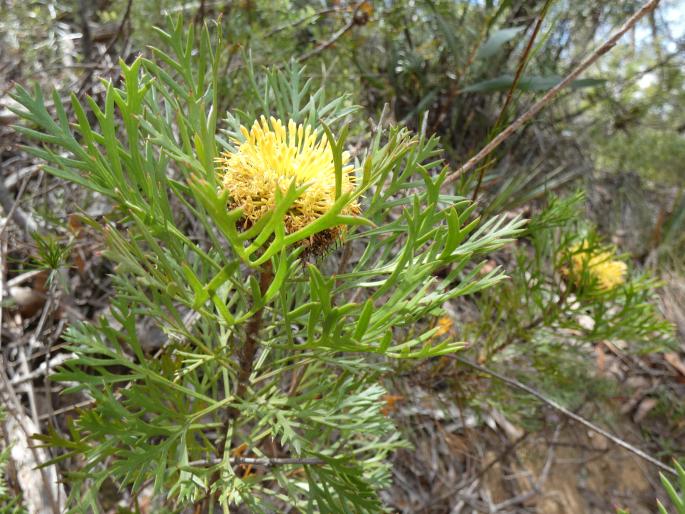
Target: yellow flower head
445, 326
271, 157
601, 265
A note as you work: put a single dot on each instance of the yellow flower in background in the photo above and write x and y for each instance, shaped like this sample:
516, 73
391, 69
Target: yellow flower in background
601, 265
445, 326
271, 157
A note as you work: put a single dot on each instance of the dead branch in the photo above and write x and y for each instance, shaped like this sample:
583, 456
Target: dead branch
330, 42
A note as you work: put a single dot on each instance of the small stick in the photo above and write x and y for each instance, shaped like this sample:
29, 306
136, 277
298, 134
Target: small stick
523, 62
11, 207
120, 28
326, 44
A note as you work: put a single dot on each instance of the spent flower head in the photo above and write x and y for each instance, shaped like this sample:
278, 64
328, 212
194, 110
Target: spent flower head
271, 157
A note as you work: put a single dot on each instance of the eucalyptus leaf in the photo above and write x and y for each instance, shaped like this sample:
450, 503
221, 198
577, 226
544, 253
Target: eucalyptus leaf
533, 83
494, 44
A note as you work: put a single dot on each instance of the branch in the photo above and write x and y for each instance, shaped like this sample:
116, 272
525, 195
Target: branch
326, 44
616, 440
110, 46
265, 461
86, 38
248, 350
294, 24
246, 355
12, 211
523, 62
552, 93
120, 28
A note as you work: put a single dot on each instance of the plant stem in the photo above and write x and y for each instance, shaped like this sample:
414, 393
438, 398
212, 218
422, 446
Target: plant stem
249, 348
246, 355
523, 61
550, 310
264, 462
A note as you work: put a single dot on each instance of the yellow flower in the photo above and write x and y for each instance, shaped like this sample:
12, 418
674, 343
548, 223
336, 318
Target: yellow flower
601, 265
445, 326
271, 157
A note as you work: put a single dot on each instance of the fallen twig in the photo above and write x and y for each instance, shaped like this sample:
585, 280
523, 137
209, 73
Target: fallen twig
539, 483
570, 414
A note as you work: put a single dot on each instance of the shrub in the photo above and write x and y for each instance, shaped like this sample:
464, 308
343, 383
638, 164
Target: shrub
284, 297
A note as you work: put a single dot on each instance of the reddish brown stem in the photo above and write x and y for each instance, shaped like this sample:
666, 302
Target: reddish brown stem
510, 94
249, 348
246, 355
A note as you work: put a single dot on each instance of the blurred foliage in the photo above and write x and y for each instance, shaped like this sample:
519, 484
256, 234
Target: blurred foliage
544, 324
675, 493
454, 59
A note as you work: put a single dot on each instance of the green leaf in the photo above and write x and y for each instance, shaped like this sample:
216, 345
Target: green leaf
363, 321
283, 266
677, 499
527, 83
497, 40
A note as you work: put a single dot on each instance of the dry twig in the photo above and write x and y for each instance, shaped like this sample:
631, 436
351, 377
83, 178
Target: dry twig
11, 207
330, 42
120, 28
523, 62
570, 414
305, 19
